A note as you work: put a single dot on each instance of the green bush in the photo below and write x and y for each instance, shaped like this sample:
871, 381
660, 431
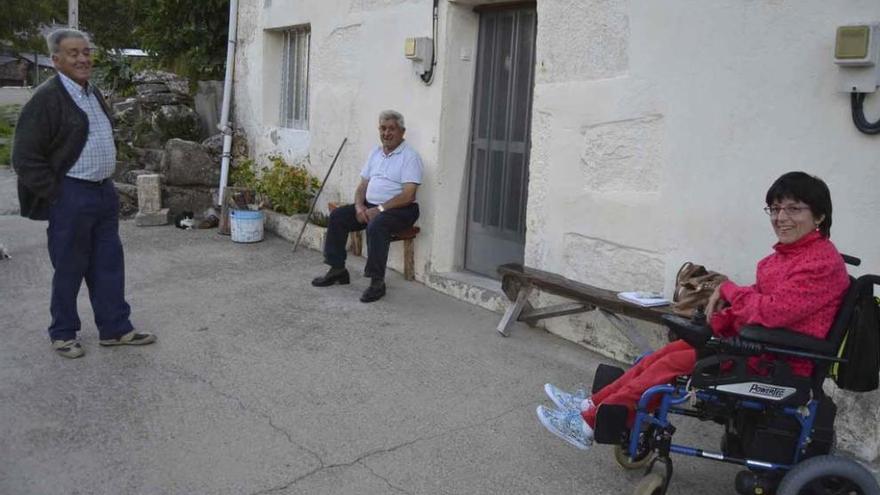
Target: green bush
287, 189
114, 73
5, 143
244, 175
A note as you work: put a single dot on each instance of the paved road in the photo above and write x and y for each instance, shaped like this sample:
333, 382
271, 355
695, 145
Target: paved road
261, 383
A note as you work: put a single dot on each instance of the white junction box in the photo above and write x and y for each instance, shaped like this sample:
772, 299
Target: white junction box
420, 51
856, 51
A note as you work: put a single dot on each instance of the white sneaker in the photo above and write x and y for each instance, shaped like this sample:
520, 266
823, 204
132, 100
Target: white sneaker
568, 426
68, 348
566, 401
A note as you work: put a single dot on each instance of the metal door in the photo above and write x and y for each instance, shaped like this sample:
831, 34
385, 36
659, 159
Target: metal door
500, 139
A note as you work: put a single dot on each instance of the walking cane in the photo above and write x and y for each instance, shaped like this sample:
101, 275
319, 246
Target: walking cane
315, 202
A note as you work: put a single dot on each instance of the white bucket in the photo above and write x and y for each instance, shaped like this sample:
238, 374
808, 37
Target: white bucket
247, 225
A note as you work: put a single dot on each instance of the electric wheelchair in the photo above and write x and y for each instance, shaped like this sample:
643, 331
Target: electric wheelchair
778, 426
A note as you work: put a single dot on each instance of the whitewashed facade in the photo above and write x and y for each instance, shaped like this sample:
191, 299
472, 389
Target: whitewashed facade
656, 129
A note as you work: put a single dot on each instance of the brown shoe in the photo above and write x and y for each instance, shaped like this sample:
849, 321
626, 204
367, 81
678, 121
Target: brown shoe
131, 338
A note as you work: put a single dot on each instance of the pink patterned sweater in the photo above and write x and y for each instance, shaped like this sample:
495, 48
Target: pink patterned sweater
799, 287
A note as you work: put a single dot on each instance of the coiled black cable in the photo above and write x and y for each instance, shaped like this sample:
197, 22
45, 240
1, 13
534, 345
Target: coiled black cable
858, 115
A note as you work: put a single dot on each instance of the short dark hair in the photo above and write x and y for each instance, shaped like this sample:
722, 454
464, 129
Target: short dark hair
809, 189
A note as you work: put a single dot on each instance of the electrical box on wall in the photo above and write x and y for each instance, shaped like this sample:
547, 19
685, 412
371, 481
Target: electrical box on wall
856, 51
420, 51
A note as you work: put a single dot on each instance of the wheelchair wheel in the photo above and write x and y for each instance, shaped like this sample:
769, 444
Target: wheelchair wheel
826, 475
643, 457
650, 484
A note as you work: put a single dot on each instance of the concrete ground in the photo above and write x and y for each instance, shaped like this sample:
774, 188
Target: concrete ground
260, 383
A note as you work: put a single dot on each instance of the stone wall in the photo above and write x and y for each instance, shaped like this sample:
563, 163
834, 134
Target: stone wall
158, 131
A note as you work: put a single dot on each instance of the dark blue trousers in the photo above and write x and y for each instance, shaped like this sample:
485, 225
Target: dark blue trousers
84, 244
379, 230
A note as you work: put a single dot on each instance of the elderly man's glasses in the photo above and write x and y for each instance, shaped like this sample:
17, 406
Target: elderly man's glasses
791, 211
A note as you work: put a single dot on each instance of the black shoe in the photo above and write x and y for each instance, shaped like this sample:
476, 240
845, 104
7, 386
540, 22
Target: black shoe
333, 276
374, 292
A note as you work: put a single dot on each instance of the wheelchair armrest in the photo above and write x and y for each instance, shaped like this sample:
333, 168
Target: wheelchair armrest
783, 337
692, 333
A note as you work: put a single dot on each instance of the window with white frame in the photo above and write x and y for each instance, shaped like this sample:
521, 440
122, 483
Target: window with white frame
295, 78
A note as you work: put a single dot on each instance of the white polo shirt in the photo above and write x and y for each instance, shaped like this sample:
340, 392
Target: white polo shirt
388, 173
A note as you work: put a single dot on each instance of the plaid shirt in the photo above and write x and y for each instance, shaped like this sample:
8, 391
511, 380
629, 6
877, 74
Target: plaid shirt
98, 158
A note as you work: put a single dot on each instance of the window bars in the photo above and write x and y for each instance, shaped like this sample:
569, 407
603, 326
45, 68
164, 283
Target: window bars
295, 78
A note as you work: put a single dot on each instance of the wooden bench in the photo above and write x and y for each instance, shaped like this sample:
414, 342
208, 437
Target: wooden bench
356, 245
518, 282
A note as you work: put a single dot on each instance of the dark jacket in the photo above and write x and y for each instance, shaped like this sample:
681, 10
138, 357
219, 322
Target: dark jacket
49, 137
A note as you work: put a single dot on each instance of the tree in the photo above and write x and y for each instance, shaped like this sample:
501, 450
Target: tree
112, 22
188, 36
22, 21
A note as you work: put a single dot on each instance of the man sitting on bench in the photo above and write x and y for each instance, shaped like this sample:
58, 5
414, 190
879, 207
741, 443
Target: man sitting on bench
384, 203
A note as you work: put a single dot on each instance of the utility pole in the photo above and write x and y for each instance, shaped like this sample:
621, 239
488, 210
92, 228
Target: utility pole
73, 14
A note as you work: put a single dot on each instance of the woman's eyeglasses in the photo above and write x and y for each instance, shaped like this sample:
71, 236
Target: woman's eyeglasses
791, 211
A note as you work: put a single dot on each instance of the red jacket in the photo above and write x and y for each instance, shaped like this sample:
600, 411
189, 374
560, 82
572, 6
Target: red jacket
799, 287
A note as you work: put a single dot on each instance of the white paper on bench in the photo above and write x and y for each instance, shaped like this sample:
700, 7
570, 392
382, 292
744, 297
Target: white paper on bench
645, 299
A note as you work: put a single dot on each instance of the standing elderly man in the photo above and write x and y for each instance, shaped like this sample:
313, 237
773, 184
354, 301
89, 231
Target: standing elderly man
64, 156
384, 203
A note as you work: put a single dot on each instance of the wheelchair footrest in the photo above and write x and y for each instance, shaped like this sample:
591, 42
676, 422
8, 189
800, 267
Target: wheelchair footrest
610, 424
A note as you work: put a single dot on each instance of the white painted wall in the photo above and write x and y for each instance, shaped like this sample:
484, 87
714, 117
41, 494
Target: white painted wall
357, 69
657, 129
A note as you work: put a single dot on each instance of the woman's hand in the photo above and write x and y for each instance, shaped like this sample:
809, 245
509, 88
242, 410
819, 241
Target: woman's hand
716, 303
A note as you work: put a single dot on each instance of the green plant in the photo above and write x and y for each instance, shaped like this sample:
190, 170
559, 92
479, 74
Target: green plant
244, 175
5, 143
114, 72
288, 189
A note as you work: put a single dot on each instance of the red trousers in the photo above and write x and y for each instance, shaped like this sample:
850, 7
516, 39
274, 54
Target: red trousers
660, 367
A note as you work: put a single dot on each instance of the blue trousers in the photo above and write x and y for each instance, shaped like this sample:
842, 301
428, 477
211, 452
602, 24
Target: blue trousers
84, 244
379, 230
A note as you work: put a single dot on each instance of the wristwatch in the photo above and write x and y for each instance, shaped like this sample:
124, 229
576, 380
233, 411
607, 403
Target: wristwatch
381, 208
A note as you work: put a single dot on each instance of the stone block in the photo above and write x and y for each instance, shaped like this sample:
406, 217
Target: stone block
589, 40
624, 156
148, 158
194, 199
149, 193
152, 219
612, 266
173, 82
177, 121
186, 163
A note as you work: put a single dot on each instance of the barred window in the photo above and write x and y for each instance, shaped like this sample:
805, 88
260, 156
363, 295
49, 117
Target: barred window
295, 78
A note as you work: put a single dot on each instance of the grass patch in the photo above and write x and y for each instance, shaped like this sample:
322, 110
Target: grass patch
8, 117
5, 144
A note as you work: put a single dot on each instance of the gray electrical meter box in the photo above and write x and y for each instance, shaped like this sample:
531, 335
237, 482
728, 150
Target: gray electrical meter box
420, 51
856, 53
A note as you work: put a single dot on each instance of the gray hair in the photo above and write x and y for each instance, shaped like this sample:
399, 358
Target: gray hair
54, 39
392, 115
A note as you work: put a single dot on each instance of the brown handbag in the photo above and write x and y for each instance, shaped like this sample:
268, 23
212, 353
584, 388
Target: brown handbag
694, 285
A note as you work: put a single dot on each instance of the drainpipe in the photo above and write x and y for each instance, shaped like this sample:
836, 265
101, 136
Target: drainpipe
224, 126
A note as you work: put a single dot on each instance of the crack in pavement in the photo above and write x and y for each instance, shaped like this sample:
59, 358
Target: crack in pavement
387, 482
322, 465
242, 406
363, 457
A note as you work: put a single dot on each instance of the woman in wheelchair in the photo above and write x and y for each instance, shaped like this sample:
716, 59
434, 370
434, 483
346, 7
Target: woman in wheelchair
799, 286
